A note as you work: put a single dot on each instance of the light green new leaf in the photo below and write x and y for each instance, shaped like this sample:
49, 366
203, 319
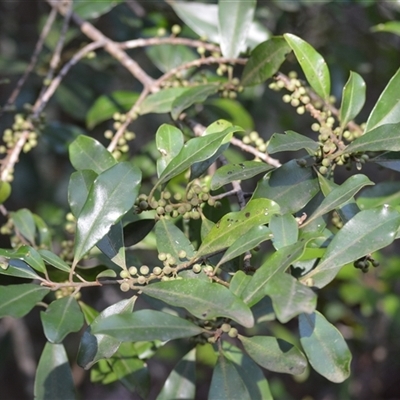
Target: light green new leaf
291, 141
145, 325
107, 105
387, 107
275, 354
366, 232
265, 60
17, 300
313, 65
238, 282
87, 153
112, 245
289, 297
171, 240
390, 26
340, 195
205, 300
93, 348
280, 184
251, 374
80, 183
235, 224
62, 317
53, 375
196, 94
353, 98
237, 172
112, 194
180, 383
285, 230
25, 223
234, 19
325, 347
226, 383
161, 102
169, 142
384, 137
246, 242
30, 256
195, 150
44, 234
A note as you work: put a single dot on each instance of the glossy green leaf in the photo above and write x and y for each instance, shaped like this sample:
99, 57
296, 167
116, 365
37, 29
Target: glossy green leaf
390, 26
89, 313
19, 269
285, 230
226, 383
195, 150
196, 94
62, 317
112, 245
277, 263
107, 105
279, 185
94, 8
168, 56
145, 325
353, 98
251, 374
180, 383
340, 196
17, 300
389, 159
265, 60
87, 153
234, 19
325, 347
382, 193
169, 142
205, 300
291, 141
112, 194
368, 231
237, 172
54, 260
53, 375
234, 225
387, 107
161, 102
31, 256
384, 137
246, 242
25, 224
44, 234
275, 354
93, 348
313, 65
136, 231
79, 186
171, 240
238, 282
289, 297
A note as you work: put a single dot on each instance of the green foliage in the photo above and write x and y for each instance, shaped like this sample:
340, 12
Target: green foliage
198, 273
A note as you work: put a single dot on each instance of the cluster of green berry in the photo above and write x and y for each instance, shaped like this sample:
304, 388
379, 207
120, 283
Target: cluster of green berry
254, 139
188, 205
364, 263
66, 291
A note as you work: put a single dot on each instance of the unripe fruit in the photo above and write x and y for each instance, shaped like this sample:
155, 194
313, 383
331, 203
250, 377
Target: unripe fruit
182, 254
157, 271
124, 274
196, 268
162, 256
233, 332
124, 286
133, 270
225, 328
141, 280
167, 270
144, 269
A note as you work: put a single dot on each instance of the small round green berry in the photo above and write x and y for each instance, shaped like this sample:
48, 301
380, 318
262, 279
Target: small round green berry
196, 268
176, 29
233, 332
162, 256
323, 170
144, 270
143, 205
182, 254
124, 274
167, 270
141, 280
208, 269
124, 286
225, 328
326, 162
133, 270
157, 271
160, 210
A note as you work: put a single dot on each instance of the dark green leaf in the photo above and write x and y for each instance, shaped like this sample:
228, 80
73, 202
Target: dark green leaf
285, 230
94, 8
291, 141
17, 300
264, 61
237, 172
53, 375
313, 65
112, 245
62, 317
279, 185
161, 102
368, 231
353, 98
387, 107
325, 347
24, 223
87, 153
196, 94
234, 19
238, 282
112, 194
30, 256
234, 225
205, 300
106, 105
79, 186
19, 269
136, 231
43, 232
180, 383
169, 142
382, 193
275, 354
145, 325
226, 383
390, 159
